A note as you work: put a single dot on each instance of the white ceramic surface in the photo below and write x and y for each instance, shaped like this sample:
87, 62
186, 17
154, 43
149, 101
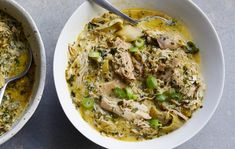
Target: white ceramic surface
36, 44
212, 62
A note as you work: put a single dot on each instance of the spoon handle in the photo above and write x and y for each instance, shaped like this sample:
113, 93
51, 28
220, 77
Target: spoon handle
2, 91
108, 6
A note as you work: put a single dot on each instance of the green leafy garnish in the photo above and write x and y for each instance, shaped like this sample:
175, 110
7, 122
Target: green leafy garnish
91, 26
191, 48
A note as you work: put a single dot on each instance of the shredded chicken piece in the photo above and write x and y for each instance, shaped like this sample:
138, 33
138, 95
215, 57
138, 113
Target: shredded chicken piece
107, 88
194, 104
127, 109
121, 44
179, 114
123, 66
138, 66
141, 123
166, 40
191, 91
83, 66
166, 107
73, 52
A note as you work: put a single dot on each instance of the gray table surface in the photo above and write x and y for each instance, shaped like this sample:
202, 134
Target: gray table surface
49, 128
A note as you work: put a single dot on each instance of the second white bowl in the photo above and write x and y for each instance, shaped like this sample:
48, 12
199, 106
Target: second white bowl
33, 36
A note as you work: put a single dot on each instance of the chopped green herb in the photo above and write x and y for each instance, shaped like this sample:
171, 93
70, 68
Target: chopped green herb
91, 26
191, 48
113, 51
71, 79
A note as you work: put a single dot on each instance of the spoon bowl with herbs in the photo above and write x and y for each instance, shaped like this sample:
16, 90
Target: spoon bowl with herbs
4, 81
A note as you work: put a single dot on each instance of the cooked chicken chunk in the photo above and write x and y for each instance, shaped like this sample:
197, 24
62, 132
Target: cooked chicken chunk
107, 88
127, 109
179, 114
166, 40
123, 65
138, 66
121, 44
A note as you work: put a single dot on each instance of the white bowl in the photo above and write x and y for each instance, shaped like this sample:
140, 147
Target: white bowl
30, 29
211, 58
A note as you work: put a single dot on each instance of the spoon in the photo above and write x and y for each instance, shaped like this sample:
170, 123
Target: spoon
108, 6
8, 80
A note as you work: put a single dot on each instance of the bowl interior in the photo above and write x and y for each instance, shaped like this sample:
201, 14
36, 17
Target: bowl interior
33, 36
211, 61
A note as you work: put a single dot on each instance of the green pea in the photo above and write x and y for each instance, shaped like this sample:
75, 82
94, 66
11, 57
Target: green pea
154, 123
140, 43
120, 92
151, 82
88, 103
